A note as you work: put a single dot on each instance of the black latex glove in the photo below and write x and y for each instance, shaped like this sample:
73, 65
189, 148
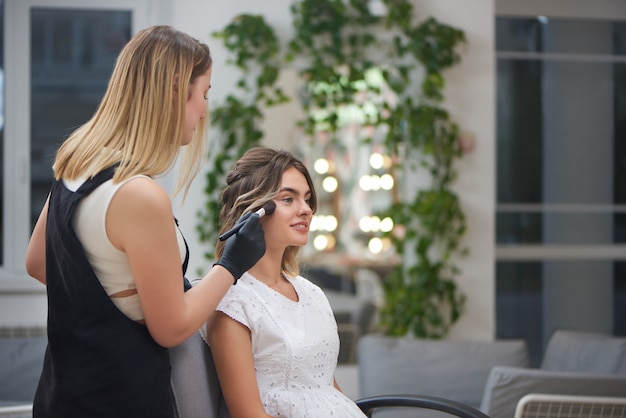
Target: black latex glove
244, 249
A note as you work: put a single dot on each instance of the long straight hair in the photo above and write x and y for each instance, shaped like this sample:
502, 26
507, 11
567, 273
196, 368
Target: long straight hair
254, 181
140, 120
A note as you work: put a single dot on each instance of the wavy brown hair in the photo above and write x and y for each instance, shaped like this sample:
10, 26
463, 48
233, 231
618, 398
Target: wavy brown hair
254, 181
141, 116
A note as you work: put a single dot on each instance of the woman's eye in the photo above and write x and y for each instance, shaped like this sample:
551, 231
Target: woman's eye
288, 199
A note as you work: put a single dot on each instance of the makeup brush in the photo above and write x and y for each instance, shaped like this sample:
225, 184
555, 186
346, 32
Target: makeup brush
267, 209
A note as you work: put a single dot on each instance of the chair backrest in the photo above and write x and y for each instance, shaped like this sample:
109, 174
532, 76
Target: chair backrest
195, 385
586, 352
567, 406
398, 406
369, 286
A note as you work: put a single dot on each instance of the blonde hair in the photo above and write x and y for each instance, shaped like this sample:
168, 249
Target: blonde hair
142, 114
253, 181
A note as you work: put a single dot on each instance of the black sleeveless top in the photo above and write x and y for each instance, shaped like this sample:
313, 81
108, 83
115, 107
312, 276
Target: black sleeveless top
99, 362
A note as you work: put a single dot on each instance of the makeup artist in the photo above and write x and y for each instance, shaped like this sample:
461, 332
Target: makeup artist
106, 244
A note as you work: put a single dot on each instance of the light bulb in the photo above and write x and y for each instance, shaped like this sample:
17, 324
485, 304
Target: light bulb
376, 160
321, 166
330, 184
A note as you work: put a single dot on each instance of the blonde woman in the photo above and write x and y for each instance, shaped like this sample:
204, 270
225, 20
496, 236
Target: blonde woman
106, 244
274, 339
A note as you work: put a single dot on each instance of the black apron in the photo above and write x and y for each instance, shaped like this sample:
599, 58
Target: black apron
99, 362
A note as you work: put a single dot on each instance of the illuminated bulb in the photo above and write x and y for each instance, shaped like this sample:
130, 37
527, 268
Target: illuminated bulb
369, 223
321, 166
375, 245
316, 223
375, 182
331, 242
375, 222
330, 223
365, 183
320, 242
386, 161
365, 224
330, 184
386, 181
377, 161
386, 224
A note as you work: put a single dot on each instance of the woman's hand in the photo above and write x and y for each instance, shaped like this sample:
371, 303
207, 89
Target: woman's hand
244, 249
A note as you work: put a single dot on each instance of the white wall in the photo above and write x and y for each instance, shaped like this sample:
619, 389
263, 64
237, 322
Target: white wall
470, 99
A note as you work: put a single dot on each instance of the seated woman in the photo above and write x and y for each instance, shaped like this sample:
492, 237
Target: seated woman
274, 337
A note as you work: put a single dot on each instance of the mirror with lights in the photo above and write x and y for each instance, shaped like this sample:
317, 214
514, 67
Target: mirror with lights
352, 186
353, 176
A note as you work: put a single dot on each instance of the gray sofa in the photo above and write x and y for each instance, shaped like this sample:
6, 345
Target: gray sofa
21, 360
492, 376
574, 363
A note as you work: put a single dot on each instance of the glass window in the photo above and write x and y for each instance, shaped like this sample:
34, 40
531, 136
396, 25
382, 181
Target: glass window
72, 55
561, 177
522, 287
57, 57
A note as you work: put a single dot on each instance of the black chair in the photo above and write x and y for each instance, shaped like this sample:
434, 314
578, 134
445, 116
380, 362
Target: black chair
369, 404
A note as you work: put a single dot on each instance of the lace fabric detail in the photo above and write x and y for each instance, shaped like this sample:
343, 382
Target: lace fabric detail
295, 347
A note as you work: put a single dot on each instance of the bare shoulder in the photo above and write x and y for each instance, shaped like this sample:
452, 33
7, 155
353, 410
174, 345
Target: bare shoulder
144, 194
140, 214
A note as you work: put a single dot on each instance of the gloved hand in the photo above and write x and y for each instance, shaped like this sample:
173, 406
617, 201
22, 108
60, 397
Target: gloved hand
244, 249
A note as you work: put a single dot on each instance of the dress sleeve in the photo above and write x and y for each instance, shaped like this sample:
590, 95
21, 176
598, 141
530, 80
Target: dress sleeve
233, 305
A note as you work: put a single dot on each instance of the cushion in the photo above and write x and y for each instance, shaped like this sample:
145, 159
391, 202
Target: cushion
21, 361
456, 370
507, 385
575, 351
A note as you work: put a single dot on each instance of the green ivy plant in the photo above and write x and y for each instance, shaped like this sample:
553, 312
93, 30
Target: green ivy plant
337, 45
340, 41
255, 52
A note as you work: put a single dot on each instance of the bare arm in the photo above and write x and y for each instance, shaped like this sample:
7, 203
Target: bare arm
140, 222
232, 352
336, 385
36, 250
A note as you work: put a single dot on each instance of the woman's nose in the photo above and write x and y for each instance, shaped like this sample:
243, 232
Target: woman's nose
305, 209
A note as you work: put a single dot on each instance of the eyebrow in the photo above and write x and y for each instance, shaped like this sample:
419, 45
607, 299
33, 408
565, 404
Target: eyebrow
294, 191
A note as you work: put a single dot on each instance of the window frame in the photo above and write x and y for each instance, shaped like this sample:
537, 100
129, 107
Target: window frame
17, 135
551, 252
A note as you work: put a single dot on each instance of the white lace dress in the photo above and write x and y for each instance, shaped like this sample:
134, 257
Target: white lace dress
295, 347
